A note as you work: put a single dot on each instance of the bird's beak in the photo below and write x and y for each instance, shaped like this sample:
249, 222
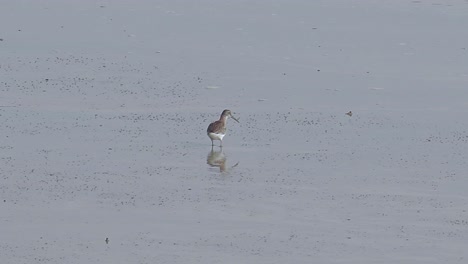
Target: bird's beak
235, 119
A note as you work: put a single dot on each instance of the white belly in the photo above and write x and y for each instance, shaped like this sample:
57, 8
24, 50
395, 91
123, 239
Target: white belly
215, 136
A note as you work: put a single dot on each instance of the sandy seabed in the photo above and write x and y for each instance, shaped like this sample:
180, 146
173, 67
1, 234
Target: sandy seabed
104, 156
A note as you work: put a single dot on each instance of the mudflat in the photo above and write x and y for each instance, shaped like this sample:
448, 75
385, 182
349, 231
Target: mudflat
104, 156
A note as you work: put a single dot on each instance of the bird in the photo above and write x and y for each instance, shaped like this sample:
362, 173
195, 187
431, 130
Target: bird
217, 129
349, 113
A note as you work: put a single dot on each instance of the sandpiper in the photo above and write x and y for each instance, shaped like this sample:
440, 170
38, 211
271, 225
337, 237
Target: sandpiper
217, 129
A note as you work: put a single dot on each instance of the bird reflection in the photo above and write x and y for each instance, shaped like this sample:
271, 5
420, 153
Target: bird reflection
218, 159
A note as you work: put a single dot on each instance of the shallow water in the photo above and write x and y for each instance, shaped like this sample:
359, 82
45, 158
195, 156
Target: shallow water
111, 142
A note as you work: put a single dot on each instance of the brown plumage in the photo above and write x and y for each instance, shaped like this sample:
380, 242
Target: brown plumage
217, 129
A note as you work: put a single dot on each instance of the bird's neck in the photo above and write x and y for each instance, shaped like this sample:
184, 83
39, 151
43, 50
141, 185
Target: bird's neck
223, 118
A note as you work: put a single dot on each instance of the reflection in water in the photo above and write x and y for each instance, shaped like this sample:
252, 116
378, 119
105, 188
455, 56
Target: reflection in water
218, 159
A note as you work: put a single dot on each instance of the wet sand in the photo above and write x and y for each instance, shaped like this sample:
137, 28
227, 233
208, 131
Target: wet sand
105, 105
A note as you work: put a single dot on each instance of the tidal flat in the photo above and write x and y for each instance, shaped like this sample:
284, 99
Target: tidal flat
104, 156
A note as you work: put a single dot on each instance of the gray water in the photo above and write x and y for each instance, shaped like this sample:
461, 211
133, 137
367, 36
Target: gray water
104, 107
